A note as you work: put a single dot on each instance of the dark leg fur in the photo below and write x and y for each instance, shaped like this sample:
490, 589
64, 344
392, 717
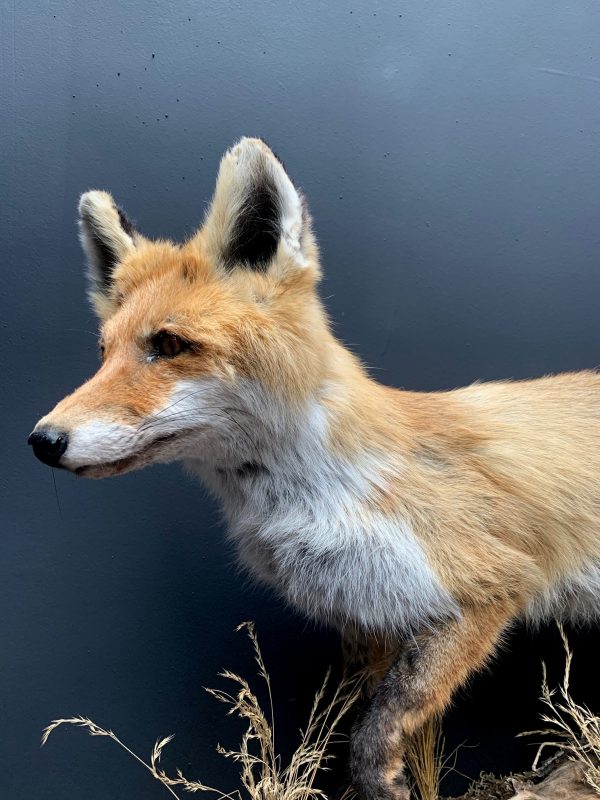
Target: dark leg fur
419, 683
376, 740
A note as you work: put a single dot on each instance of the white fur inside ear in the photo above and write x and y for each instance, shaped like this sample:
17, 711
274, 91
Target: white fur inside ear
103, 237
291, 214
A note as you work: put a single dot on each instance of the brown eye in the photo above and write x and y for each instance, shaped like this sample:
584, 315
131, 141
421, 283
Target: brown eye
167, 345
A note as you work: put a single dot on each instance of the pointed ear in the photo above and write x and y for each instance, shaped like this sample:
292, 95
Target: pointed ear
257, 218
107, 237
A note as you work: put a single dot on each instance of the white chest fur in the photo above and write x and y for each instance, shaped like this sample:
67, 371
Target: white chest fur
301, 523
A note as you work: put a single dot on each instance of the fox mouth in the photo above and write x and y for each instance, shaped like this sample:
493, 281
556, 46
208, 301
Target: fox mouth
136, 460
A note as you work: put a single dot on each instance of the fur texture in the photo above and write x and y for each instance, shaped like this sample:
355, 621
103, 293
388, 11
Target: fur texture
433, 519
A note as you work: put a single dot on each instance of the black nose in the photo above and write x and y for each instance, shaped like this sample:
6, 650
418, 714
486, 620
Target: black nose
49, 445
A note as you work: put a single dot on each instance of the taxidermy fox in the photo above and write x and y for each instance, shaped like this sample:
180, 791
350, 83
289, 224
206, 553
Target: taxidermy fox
418, 524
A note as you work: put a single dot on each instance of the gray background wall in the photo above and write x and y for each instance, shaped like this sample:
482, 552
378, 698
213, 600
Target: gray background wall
449, 151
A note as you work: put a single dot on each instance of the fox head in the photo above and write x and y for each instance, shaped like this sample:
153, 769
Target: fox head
196, 339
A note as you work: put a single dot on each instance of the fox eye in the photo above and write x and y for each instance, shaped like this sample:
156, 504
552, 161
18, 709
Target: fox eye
101, 350
168, 345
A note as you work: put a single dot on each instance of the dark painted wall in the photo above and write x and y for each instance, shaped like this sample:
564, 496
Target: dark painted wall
450, 155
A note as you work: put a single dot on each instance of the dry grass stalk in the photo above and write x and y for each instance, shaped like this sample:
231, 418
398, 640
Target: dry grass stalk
262, 775
573, 729
425, 759
152, 766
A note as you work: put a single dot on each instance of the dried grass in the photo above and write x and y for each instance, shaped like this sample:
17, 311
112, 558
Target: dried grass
573, 729
261, 772
427, 761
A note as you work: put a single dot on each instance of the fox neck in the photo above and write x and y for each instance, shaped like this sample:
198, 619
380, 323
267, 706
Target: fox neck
298, 500
286, 442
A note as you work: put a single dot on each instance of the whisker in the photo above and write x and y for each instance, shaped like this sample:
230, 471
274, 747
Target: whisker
252, 442
181, 399
221, 412
56, 492
160, 420
179, 415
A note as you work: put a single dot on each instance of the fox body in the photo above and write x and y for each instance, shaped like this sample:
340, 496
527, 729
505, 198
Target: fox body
421, 525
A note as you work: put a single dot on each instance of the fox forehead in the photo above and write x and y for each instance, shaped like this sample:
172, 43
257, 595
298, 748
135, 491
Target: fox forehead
177, 292
153, 260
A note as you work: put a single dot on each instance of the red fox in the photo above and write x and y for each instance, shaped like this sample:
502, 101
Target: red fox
421, 525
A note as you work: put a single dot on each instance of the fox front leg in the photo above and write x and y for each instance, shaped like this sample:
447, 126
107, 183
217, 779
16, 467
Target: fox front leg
419, 683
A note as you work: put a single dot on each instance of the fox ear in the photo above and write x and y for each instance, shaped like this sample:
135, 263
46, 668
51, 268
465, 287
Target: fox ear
107, 236
257, 216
